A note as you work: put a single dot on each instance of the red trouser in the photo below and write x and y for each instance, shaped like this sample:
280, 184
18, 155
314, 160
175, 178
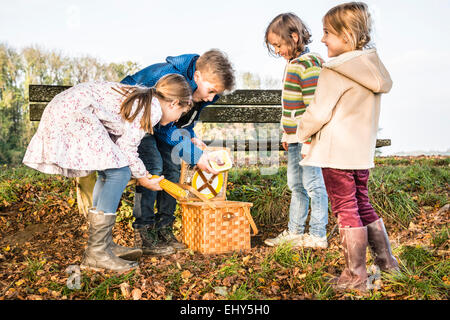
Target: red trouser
349, 196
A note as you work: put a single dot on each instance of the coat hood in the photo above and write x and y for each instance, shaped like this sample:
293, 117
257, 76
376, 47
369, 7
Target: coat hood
363, 67
184, 63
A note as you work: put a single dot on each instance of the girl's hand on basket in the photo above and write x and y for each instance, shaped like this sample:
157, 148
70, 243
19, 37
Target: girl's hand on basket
151, 184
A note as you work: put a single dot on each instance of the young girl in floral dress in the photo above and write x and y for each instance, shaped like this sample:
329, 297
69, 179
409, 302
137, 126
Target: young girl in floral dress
97, 126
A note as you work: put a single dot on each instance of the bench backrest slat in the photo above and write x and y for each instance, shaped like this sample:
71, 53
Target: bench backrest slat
231, 108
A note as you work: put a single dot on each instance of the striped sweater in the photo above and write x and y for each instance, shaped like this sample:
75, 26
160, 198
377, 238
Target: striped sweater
300, 82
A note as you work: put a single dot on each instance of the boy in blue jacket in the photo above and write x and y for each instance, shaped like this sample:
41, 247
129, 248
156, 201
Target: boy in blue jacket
209, 75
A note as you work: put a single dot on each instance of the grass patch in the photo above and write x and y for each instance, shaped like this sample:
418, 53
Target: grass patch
421, 275
399, 191
284, 255
100, 288
269, 193
230, 267
243, 293
398, 187
22, 184
33, 266
441, 237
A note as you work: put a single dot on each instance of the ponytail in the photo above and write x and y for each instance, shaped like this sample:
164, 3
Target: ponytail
144, 101
169, 88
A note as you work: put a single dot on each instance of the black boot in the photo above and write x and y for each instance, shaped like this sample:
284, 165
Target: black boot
146, 238
166, 236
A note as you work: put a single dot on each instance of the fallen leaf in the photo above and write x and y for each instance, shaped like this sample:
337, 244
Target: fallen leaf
186, 274
125, 289
136, 294
71, 201
43, 290
221, 291
208, 296
19, 282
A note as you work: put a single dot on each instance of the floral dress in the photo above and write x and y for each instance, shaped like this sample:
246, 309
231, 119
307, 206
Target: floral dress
81, 130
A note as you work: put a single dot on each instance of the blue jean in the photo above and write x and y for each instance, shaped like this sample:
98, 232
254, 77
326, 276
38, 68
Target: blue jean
157, 159
306, 183
109, 188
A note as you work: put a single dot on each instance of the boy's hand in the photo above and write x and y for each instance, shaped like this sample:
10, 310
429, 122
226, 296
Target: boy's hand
151, 184
199, 143
285, 146
203, 164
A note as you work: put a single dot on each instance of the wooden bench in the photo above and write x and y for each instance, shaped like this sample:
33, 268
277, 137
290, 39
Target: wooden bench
241, 106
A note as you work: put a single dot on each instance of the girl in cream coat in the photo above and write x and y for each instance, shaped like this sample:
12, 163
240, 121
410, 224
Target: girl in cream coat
343, 122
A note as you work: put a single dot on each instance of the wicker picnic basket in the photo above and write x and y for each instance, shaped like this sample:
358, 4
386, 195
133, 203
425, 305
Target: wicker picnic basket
217, 226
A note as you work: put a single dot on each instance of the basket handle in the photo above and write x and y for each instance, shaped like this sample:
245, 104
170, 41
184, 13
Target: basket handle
252, 222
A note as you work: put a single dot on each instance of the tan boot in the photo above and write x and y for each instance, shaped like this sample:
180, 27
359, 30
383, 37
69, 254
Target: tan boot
380, 246
98, 254
122, 252
354, 276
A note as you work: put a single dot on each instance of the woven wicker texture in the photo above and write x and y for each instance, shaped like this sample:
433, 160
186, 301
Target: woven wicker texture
223, 229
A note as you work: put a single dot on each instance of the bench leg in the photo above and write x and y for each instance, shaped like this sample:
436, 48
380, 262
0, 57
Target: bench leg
85, 188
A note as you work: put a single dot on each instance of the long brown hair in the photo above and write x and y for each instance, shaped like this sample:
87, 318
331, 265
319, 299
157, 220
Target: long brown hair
169, 88
284, 25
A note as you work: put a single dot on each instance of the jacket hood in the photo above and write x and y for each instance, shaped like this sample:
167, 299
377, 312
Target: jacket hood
363, 67
184, 63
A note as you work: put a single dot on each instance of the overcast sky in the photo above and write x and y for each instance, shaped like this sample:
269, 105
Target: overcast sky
411, 37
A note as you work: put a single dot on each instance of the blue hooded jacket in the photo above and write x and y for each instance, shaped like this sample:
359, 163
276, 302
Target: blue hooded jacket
170, 133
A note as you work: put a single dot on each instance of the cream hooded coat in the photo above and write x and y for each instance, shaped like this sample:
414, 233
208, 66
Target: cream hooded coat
343, 116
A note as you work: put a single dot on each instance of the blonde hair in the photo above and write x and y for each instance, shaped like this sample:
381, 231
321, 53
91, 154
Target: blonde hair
284, 25
214, 64
168, 88
351, 20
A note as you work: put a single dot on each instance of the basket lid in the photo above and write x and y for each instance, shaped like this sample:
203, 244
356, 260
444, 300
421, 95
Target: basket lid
218, 204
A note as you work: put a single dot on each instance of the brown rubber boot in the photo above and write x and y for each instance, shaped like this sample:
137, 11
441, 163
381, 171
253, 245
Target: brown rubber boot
380, 246
98, 254
354, 276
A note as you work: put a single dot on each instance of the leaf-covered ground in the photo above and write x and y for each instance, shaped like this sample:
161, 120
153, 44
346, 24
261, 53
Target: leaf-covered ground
42, 238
